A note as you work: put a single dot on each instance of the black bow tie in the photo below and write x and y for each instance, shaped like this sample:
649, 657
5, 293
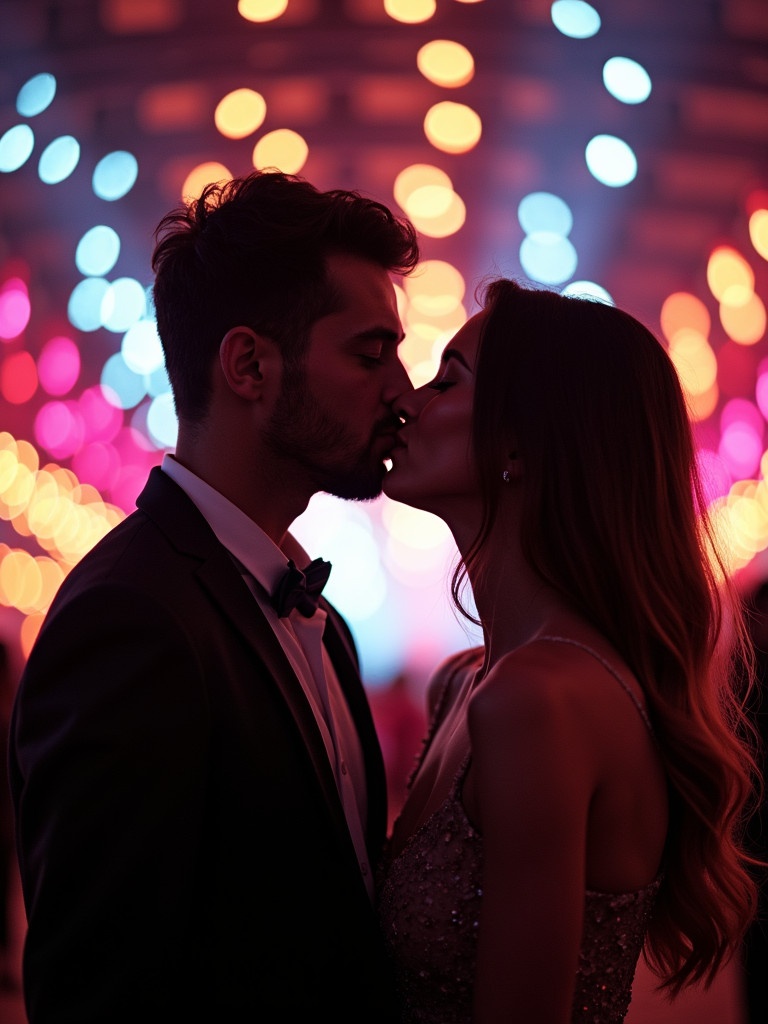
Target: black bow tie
301, 589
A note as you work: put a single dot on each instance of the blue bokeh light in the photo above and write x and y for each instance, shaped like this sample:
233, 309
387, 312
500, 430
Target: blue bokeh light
115, 175
575, 18
97, 251
15, 147
611, 160
36, 95
59, 159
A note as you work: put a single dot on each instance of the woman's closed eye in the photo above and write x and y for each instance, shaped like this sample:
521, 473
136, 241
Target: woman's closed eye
441, 385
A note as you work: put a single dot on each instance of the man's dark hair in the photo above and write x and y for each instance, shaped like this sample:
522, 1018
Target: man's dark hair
252, 251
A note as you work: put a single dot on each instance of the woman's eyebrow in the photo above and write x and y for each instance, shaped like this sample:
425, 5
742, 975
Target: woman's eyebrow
453, 353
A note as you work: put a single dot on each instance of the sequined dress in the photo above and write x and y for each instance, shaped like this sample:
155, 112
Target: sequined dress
429, 904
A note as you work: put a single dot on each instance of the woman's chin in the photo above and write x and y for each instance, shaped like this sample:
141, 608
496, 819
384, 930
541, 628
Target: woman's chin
397, 489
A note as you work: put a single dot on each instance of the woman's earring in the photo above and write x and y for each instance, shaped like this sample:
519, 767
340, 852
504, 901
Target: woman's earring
505, 476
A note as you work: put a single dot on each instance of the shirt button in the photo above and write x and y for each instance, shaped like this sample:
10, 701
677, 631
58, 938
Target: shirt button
363, 867
343, 767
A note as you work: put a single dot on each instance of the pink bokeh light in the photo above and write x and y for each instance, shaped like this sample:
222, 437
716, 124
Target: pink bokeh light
58, 366
741, 410
59, 429
741, 448
15, 308
102, 419
97, 464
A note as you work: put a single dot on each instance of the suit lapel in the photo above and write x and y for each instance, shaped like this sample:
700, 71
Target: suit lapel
340, 647
186, 529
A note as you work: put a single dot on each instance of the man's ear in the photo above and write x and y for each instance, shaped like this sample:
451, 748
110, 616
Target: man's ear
249, 361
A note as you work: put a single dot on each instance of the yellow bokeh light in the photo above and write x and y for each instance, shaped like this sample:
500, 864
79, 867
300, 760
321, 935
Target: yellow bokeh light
16, 496
445, 63
758, 232
452, 127
283, 149
447, 223
412, 526
30, 627
436, 288
694, 360
729, 276
416, 177
414, 349
240, 113
422, 373
429, 201
410, 12
744, 323
202, 175
261, 10
682, 310
702, 405
51, 576
27, 455
20, 581
9, 464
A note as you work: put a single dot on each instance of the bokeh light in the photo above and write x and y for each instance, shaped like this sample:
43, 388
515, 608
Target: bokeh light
261, 10
18, 377
15, 308
97, 251
36, 95
115, 175
58, 365
282, 148
575, 18
611, 160
411, 12
202, 175
626, 80
59, 159
240, 113
446, 63
16, 145
452, 127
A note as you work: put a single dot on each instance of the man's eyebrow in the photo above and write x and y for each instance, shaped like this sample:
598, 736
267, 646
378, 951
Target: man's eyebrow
379, 334
453, 353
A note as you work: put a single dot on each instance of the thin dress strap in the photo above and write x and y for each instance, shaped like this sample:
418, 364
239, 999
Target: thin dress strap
606, 665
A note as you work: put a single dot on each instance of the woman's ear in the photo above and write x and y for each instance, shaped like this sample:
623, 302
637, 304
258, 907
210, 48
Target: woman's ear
248, 362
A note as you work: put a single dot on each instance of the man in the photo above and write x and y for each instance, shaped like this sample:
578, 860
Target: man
198, 787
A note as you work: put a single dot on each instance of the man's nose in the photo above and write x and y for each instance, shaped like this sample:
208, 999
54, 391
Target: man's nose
398, 382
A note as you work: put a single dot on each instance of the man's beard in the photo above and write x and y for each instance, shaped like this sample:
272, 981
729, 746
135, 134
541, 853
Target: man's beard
320, 444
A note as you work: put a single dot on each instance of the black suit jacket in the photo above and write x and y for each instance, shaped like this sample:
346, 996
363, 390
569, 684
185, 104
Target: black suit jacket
183, 850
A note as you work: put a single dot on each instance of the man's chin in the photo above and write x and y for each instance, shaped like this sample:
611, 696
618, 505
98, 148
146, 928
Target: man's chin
363, 486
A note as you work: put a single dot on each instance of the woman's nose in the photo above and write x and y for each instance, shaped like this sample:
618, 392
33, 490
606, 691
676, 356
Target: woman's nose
409, 403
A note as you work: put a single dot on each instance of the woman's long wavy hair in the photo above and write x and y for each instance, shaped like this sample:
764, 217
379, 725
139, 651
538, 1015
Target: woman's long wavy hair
614, 517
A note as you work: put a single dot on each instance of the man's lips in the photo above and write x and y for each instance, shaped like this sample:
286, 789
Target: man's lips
396, 441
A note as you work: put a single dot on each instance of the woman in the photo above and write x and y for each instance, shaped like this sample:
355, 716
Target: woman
580, 792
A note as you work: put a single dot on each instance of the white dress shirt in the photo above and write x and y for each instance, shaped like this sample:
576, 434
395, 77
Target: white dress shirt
262, 564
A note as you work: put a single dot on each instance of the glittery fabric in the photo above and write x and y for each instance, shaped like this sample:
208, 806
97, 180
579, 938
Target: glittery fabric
430, 904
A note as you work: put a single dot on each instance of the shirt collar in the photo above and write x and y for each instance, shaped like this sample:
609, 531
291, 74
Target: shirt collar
239, 534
